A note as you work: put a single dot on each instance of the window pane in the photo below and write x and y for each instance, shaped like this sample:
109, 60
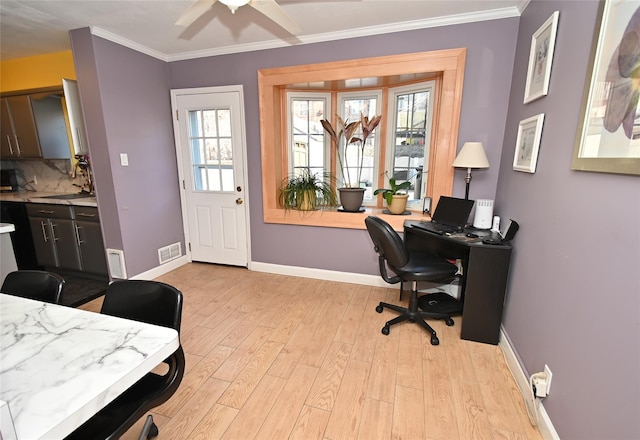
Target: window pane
410, 133
307, 141
356, 154
211, 150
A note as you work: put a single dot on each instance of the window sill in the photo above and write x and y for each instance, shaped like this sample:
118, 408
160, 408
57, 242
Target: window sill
334, 219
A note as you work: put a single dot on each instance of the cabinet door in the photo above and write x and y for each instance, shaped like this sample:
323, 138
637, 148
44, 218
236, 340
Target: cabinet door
64, 237
76, 117
6, 131
91, 247
43, 241
24, 126
48, 114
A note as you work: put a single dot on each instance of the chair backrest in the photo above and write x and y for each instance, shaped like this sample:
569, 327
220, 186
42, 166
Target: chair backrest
387, 242
34, 284
152, 302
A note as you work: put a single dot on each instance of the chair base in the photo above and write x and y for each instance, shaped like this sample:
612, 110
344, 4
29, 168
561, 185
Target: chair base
413, 314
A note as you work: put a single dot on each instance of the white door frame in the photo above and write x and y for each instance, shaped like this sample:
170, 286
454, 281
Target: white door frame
180, 150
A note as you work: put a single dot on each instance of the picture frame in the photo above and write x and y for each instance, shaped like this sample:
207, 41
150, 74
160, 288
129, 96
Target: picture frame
525, 156
543, 43
608, 135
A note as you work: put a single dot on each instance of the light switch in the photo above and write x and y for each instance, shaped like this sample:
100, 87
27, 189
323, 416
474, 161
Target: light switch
124, 159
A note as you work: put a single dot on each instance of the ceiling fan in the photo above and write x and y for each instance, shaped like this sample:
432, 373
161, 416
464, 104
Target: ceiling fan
269, 8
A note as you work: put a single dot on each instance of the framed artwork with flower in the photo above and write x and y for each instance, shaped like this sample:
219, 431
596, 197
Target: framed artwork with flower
525, 157
608, 137
543, 42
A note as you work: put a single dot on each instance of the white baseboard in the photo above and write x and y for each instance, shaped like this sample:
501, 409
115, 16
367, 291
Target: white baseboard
162, 269
319, 274
547, 430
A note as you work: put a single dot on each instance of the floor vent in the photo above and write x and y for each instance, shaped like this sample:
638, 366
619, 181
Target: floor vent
169, 253
117, 268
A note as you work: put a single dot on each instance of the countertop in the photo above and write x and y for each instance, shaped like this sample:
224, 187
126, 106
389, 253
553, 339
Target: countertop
39, 197
6, 227
61, 365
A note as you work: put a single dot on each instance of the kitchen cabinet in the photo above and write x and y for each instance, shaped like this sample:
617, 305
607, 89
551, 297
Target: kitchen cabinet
89, 238
53, 230
18, 129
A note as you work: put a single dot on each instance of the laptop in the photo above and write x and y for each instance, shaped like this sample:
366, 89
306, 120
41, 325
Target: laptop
451, 215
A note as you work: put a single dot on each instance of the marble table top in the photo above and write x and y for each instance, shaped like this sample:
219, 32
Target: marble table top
59, 365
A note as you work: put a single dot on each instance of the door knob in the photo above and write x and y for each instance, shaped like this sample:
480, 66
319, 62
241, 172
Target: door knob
238, 201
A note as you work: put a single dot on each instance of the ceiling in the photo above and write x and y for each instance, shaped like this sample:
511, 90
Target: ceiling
29, 27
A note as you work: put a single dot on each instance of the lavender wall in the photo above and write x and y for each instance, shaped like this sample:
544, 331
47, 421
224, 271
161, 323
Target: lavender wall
490, 50
574, 293
128, 109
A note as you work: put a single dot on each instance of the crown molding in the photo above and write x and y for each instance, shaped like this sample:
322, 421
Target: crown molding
450, 20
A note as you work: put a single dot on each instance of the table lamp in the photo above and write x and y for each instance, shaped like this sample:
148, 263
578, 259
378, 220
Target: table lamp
471, 155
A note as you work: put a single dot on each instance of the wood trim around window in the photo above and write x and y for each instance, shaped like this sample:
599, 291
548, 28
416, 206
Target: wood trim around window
448, 65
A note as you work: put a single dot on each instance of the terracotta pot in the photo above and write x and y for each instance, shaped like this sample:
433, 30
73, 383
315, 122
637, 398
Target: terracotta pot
351, 198
398, 203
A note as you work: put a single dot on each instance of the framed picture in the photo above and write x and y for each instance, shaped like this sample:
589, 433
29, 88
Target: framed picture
608, 137
528, 144
543, 42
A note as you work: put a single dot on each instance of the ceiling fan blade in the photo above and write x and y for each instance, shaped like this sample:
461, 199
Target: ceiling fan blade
194, 12
273, 11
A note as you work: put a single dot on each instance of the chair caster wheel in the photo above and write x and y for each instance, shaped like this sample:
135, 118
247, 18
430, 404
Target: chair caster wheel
449, 322
153, 431
435, 340
385, 330
379, 308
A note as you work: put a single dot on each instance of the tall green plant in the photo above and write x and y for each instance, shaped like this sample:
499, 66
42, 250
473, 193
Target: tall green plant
346, 135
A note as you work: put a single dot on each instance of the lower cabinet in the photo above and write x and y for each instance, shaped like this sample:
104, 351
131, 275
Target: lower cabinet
90, 240
67, 237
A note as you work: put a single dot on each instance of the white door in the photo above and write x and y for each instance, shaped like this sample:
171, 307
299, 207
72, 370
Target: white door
211, 151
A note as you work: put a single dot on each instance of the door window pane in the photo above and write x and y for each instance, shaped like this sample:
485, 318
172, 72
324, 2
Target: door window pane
211, 150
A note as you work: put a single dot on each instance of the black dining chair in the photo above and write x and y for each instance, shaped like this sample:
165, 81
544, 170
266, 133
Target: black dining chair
34, 284
154, 303
408, 266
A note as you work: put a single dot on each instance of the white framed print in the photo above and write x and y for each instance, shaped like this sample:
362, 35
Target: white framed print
528, 144
543, 42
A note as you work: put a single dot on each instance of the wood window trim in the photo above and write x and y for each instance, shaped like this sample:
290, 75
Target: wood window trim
447, 64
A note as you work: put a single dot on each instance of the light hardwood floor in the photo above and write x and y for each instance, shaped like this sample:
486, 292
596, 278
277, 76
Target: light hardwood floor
279, 357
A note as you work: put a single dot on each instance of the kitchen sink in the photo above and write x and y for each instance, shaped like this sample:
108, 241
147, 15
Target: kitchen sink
68, 196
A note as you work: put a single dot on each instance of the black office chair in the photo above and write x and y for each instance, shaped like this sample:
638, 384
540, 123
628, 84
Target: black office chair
34, 284
411, 266
154, 303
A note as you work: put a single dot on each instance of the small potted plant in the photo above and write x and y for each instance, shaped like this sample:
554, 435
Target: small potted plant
305, 191
396, 195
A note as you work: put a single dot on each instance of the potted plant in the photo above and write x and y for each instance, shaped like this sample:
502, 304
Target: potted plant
351, 194
307, 192
396, 195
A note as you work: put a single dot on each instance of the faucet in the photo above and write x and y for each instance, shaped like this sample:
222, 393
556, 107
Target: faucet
82, 163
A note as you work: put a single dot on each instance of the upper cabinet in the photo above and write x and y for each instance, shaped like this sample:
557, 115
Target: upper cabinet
76, 118
34, 125
19, 135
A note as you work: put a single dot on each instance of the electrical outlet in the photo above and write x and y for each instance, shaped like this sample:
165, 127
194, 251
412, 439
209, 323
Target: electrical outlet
35, 179
547, 371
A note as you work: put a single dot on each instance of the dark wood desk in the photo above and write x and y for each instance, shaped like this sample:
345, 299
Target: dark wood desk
484, 280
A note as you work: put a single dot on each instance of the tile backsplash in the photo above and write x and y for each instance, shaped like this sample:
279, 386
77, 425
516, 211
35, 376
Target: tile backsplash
50, 175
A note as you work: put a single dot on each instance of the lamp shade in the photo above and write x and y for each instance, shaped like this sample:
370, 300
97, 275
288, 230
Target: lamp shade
471, 155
